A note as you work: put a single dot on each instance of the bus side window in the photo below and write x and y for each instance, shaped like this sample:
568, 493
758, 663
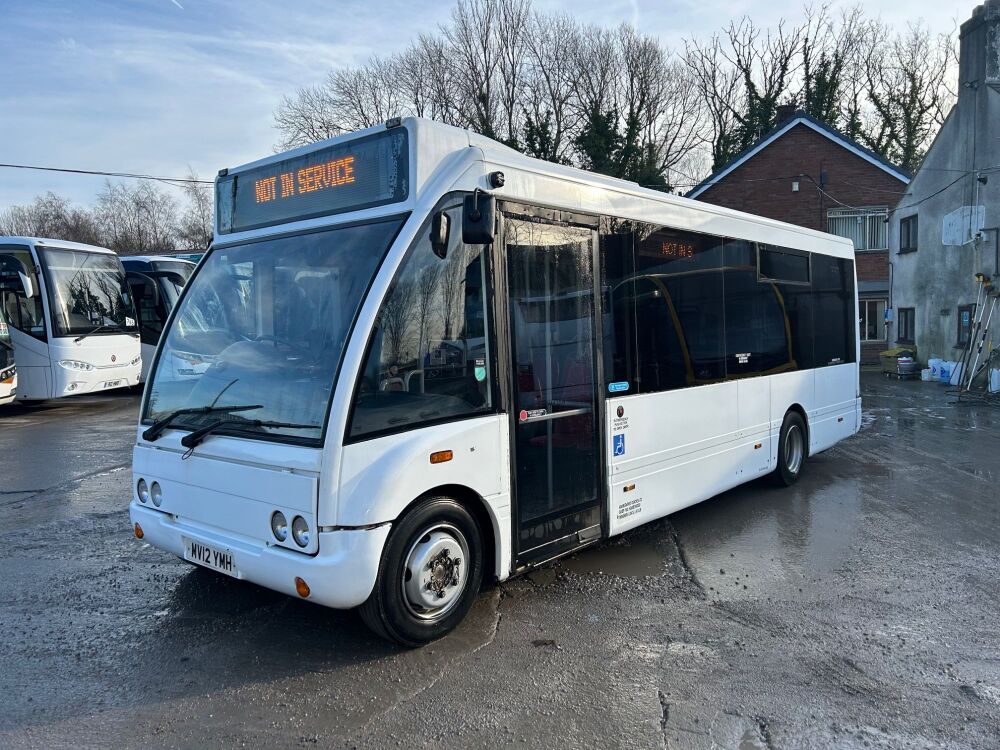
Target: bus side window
428, 358
23, 313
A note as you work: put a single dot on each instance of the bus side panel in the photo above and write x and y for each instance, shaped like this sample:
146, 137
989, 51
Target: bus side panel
835, 414
672, 449
380, 477
34, 369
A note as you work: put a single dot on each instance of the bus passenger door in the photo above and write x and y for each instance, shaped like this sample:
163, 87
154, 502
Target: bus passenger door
556, 455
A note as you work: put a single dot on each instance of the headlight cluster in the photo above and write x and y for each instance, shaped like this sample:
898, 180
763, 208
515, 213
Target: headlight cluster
300, 528
72, 364
136, 361
147, 492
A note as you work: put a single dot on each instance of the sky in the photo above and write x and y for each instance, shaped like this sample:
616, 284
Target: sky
161, 86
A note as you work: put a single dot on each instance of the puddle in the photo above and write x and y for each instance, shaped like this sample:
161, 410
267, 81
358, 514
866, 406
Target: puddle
636, 559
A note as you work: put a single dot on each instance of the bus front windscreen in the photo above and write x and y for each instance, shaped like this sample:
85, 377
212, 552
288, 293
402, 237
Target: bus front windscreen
263, 324
87, 293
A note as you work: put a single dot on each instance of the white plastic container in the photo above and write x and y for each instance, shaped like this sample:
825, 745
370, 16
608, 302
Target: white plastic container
925, 374
944, 371
956, 373
994, 381
934, 364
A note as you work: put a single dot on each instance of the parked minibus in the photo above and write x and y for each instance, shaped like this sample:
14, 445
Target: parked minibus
71, 318
428, 361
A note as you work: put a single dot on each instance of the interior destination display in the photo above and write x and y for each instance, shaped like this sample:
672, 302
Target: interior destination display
363, 173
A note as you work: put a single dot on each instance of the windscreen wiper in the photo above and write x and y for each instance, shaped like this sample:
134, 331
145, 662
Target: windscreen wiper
195, 437
82, 336
157, 428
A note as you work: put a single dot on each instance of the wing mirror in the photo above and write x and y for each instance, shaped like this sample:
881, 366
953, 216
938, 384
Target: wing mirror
440, 233
479, 215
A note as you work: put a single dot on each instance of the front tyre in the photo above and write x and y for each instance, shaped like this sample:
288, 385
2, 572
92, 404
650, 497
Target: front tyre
791, 449
429, 575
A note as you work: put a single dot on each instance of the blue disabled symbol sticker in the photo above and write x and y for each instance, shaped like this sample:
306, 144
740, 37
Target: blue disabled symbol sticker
619, 445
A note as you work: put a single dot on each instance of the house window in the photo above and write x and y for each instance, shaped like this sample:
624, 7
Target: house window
905, 333
965, 316
865, 227
908, 234
872, 319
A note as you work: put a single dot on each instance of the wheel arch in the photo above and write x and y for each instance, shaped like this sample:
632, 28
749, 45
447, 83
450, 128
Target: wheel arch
798, 409
489, 524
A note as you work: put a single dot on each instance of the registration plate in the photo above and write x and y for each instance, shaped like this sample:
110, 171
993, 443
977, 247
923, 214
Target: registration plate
211, 557
112, 384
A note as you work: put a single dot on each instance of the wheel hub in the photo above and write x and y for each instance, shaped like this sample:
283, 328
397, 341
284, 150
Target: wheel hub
434, 575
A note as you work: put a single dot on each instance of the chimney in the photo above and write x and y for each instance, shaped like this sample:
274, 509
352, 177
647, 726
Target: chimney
979, 49
786, 112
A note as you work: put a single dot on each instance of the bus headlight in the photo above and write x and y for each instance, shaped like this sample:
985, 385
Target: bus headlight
142, 490
136, 361
156, 493
72, 364
300, 531
279, 526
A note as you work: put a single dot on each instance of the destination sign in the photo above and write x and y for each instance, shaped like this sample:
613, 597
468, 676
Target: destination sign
367, 172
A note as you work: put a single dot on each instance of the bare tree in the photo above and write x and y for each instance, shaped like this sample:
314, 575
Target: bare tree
194, 227
51, 216
137, 219
903, 86
307, 117
717, 85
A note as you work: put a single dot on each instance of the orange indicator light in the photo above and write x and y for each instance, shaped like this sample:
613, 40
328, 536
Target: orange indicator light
628, 487
302, 588
138, 531
439, 457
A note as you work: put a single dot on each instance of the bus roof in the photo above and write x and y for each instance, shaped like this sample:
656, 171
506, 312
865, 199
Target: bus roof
55, 244
444, 158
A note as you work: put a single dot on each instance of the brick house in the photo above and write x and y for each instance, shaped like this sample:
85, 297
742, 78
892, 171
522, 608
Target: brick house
804, 172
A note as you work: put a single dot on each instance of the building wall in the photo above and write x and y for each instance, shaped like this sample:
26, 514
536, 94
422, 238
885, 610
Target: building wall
937, 278
763, 185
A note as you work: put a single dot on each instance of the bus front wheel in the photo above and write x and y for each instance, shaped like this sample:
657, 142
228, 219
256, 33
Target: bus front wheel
429, 575
792, 449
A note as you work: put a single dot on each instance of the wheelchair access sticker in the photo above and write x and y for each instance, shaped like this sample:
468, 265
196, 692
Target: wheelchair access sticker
618, 445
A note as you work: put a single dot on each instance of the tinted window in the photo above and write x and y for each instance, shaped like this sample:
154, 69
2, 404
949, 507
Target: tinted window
797, 301
784, 265
679, 279
757, 337
835, 324
429, 355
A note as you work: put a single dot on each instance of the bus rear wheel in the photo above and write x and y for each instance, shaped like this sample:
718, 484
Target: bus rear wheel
429, 575
792, 450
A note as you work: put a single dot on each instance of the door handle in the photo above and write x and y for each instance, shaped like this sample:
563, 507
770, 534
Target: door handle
557, 415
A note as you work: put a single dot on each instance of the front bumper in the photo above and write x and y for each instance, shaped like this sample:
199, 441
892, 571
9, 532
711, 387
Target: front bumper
75, 382
341, 575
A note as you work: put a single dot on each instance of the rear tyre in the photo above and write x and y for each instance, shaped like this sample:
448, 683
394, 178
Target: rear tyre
429, 575
792, 450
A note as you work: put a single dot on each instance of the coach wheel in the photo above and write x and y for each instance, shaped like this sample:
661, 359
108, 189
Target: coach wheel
791, 449
429, 575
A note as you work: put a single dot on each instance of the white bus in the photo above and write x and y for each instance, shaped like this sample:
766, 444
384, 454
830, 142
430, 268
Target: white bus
430, 361
156, 282
8, 372
70, 316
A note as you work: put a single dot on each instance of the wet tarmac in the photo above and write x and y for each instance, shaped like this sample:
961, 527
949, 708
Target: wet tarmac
858, 609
